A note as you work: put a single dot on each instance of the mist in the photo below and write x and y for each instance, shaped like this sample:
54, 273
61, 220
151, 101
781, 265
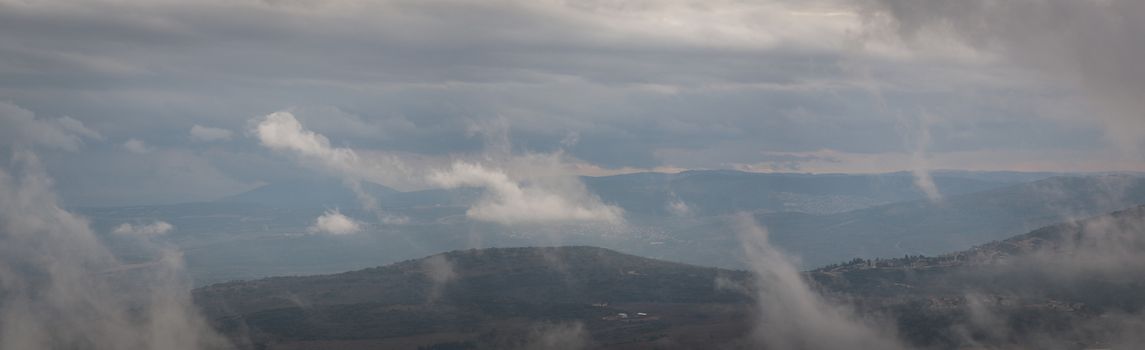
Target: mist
240, 147
791, 314
61, 288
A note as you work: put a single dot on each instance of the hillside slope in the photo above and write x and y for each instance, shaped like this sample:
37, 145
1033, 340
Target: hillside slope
1071, 285
475, 297
1068, 286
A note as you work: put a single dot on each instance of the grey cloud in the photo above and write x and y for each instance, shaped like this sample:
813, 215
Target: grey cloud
19, 126
1094, 45
649, 84
209, 134
136, 146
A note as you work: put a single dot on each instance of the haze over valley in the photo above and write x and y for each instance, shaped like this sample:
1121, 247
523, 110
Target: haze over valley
572, 174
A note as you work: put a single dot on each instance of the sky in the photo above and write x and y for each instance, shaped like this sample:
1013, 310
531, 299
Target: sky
131, 102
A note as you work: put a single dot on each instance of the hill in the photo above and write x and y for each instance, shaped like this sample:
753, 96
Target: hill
489, 298
1071, 285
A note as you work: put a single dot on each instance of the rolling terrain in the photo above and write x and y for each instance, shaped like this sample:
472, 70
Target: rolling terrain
1066, 286
490, 298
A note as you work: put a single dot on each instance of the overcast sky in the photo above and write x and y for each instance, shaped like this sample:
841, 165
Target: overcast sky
157, 101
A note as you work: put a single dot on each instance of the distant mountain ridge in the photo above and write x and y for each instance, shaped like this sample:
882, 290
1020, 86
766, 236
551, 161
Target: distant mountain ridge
913, 227
235, 240
302, 194
704, 192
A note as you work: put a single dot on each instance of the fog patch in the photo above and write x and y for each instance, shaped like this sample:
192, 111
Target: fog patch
915, 133
918, 141
1059, 287
558, 336
440, 271
60, 288
791, 314
137, 146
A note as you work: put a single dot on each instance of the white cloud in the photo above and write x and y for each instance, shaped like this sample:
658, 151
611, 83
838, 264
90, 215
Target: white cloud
19, 126
542, 191
136, 146
281, 131
333, 222
208, 134
153, 229
510, 202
